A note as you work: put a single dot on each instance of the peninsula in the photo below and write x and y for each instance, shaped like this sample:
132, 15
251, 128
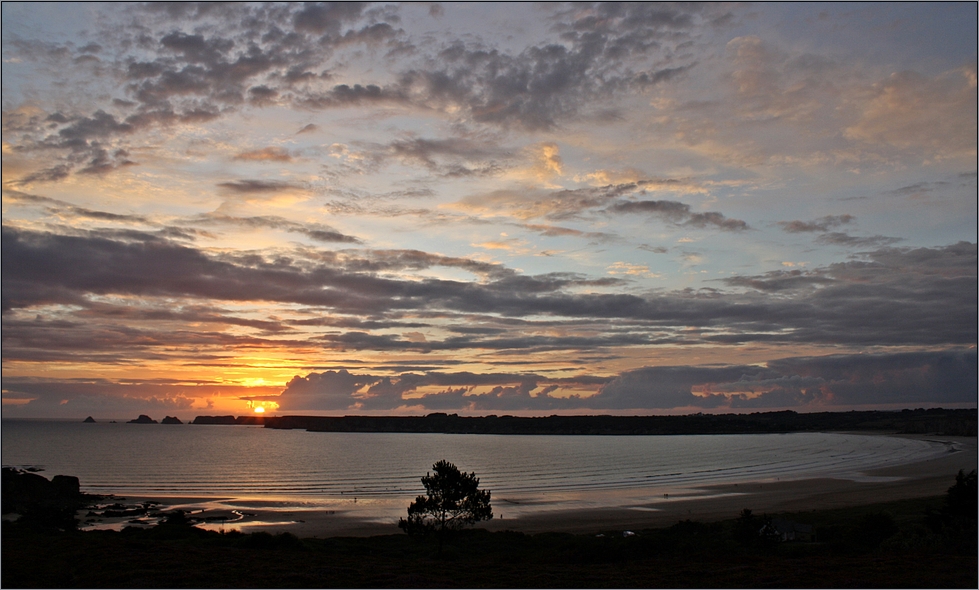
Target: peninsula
951, 422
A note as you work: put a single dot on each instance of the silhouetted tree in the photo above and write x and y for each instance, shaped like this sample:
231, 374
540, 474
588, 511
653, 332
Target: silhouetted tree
957, 519
453, 500
960, 501
747, 527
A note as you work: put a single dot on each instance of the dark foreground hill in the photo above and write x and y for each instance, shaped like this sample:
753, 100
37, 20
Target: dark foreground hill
879, 546
956, 422
920, 543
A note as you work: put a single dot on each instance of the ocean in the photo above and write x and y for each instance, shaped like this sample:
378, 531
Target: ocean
319, 468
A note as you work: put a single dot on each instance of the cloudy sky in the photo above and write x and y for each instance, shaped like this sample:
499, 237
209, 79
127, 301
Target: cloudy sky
526, 209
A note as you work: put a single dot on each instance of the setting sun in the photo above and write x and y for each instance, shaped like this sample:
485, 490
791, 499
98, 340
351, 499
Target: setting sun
259, 410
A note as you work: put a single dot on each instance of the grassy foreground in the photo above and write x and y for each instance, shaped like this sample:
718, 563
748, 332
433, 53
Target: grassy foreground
911, 543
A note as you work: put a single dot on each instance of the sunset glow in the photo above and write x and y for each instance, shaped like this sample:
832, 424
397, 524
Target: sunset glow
485, 208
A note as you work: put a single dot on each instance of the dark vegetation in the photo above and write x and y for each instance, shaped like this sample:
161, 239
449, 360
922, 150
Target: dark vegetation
929, 542
934, 421
451, 502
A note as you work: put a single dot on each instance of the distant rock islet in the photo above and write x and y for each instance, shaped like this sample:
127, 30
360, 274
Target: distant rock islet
143, 419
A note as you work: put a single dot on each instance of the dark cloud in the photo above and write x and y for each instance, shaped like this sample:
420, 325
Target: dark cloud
51, 174
88, 141
561, 204
845, 239
343, 95
812, 383
545, 84
315, 231
262, 96
919, 189
838, 238
258, 187
450, 157
115, 334
327, 18
63, 208
922, 296
375, 261
823, 224
679, 213
99, 125
341, 390
807, 382
564, 204
102, 162
554, 231
527, 344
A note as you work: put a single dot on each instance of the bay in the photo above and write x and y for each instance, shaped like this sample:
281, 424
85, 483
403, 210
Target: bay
299, 467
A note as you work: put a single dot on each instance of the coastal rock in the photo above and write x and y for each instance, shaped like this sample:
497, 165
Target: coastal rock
143, 419
66, 486
41, 502
89, 420
172, 420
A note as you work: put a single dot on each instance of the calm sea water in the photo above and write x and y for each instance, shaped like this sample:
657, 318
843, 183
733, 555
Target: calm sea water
318, 467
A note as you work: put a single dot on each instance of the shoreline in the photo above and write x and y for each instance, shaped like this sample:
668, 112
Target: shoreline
371, 516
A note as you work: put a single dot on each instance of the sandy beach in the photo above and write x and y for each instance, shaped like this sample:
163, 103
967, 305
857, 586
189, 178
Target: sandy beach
378, 517
914, 480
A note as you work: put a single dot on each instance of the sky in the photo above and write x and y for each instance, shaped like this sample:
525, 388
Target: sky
526, 209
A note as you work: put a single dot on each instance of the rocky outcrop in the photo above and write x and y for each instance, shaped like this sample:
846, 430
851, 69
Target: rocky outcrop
143, 419
89, 420
172, 420
41, 502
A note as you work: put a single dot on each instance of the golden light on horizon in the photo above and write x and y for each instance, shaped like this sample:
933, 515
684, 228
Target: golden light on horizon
260, 407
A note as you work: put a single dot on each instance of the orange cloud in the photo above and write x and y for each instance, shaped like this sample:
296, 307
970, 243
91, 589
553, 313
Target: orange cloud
268, 154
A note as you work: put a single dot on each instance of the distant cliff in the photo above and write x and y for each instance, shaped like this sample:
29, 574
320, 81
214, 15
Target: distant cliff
214, 420
933, 421
248, 420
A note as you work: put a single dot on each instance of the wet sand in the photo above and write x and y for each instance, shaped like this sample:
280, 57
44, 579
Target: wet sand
376, 517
